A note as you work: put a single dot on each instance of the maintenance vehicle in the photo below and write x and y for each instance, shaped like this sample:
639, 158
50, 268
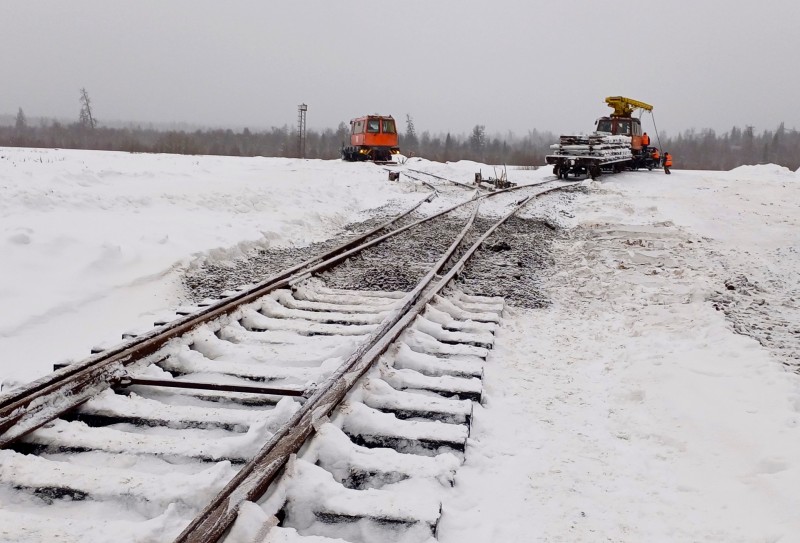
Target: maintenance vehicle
614, 146
372, 138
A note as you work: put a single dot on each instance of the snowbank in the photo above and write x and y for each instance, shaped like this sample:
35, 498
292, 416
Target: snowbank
765, 172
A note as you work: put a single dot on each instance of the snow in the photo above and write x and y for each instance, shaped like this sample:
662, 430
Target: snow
89, 235
628, 410
409, 501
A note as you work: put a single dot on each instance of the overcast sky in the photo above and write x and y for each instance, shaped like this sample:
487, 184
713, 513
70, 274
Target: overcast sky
451, 64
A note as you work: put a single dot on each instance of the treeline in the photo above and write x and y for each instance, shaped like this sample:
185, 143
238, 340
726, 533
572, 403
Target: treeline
280, 142
528, 150
136, 139
704, 150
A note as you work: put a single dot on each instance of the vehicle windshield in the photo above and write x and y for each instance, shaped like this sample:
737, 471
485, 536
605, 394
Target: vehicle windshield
373, 125
624, 128
388, 126
604, 125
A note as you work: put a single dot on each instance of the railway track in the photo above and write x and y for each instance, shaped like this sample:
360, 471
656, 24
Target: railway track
460, 184
340, 412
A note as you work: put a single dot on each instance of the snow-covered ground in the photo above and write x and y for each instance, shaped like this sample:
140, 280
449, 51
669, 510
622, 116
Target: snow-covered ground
93, 243
629, 410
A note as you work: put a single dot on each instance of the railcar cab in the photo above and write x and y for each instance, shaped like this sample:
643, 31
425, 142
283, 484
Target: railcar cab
622, 126
373, 137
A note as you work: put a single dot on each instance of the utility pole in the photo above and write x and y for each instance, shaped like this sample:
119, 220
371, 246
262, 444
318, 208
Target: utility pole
301, 128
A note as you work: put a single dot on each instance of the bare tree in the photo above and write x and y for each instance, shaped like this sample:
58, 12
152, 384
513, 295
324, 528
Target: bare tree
86, 119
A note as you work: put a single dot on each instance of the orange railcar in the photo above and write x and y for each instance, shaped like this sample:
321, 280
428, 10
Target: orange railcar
373, 137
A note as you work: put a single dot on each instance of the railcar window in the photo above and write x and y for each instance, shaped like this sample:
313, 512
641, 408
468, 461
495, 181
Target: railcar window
358, 127
624, 129
388, 126
373, 125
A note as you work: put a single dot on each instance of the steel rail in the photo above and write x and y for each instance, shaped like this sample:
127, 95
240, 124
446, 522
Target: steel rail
255, 476
252, 481
26, 409
458, 183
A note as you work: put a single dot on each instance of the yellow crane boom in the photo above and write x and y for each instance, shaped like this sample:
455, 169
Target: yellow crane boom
623, 107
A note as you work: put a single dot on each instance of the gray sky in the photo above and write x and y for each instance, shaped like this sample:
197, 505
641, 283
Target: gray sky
451, 64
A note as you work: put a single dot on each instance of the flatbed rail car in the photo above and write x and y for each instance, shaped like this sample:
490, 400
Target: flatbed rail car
372, 138
616, 145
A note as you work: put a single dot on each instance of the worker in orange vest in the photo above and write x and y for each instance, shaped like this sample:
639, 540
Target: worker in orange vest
645, 142
667, 162
655, 155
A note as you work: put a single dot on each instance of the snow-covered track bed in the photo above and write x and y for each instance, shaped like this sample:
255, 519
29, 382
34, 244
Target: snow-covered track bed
378, 466
176, 431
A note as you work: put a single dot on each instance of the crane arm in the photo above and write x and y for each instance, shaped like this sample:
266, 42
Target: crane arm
623, 107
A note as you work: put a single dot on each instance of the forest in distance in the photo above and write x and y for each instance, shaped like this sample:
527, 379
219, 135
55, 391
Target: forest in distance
693, 150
